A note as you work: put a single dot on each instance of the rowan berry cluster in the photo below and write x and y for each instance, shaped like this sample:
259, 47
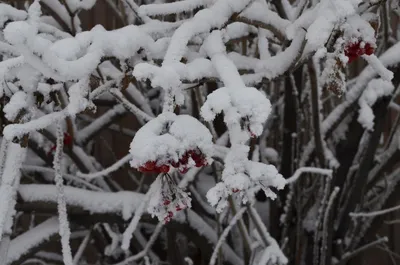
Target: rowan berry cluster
189, 158
356, 49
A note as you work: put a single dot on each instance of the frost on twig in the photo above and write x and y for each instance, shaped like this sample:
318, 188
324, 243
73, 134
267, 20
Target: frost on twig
64, 229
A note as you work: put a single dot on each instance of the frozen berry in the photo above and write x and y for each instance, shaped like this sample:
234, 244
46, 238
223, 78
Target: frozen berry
67, 139
164, 169
184, 170
184, 159
354, 50
235, 190
167, 220
174, 164
178, 208
170, 214
166, 202
150, 165
368, 49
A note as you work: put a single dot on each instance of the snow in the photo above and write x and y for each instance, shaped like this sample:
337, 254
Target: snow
18, 130
259, 11
170, 8
168, 137
235, 99
107, 171
74, 57
381, 70
203, 21
300, 171
17, 103
123, 202
7, 12
60, 10
31, 239
375, 89
245, 178
355, 27
64, 228
75, 5
9, 183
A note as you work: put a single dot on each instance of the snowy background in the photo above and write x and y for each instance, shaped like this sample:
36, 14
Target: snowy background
199, 132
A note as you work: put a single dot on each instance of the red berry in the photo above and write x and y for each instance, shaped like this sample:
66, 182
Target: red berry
67, 139
170, 214
235, 190
191, 152
142, 169
150, 165
368, 49
174, 164
183, 170
167, 220
184, 159
164, 169
166, 202
178, 208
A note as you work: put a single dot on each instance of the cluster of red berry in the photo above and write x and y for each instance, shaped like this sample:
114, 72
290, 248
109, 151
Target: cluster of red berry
170, 214
196, 155
354, 50
67, 142
151, 166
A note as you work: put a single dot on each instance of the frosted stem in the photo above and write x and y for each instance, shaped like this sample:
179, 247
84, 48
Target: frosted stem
300, 171
143, 253
64, 229
127, 235
81, 248
3, 152
376, 213
326, 223
224, 234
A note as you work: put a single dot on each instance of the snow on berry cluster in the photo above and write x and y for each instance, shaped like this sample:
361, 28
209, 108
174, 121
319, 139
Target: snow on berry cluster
170, 140
356, 38
244, 178
359, 36
245, 110
168, 199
